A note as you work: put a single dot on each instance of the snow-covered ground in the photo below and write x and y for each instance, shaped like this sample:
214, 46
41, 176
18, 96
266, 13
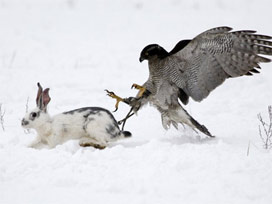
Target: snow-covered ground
78, 48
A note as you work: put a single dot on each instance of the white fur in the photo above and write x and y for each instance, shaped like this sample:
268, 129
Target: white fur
63, 127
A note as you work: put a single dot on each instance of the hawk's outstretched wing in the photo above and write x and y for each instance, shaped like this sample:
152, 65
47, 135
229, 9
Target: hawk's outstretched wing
214, 55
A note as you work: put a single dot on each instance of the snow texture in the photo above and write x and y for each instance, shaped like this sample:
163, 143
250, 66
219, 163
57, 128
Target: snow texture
78, 48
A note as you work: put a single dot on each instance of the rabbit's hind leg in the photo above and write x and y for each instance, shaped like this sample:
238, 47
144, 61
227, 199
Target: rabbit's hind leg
89, 142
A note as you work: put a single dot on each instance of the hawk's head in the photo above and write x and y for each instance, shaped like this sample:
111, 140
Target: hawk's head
151, 51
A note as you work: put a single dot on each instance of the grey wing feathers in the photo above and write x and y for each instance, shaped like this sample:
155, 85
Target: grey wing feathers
215, 55
222, 29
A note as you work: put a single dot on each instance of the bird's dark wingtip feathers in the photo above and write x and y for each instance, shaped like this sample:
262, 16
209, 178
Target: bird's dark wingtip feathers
245, 31
254, 71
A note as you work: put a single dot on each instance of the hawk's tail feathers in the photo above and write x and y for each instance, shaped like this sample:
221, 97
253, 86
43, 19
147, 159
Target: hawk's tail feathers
200, 127
193, 123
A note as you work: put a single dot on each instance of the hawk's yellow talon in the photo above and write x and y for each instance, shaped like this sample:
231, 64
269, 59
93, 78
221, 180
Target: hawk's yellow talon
140, 88
118, 99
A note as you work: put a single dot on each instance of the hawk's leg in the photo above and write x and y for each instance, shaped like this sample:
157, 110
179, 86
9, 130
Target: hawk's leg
134, 102
140, 88
123, 122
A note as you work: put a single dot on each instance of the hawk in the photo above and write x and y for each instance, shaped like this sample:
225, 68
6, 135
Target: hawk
194, 68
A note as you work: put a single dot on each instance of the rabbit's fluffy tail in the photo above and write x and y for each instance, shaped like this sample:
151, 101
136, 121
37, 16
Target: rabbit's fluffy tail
126, 134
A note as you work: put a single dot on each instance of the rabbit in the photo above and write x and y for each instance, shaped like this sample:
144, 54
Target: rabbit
93, 126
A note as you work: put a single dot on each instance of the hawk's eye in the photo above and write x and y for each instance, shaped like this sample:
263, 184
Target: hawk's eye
146, 54
33, 115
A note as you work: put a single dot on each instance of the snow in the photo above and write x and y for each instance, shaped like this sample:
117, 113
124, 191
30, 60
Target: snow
78, 48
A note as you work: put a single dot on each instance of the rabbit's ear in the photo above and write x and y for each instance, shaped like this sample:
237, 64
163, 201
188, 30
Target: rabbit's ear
43, 98
39, 96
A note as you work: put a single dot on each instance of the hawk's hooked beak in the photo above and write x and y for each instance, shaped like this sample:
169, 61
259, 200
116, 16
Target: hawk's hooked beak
141, 59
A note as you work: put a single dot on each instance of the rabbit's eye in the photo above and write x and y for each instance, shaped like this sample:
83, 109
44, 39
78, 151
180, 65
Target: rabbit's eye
33, 115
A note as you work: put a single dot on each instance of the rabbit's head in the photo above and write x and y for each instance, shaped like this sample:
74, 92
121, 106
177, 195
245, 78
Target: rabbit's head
38, 116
